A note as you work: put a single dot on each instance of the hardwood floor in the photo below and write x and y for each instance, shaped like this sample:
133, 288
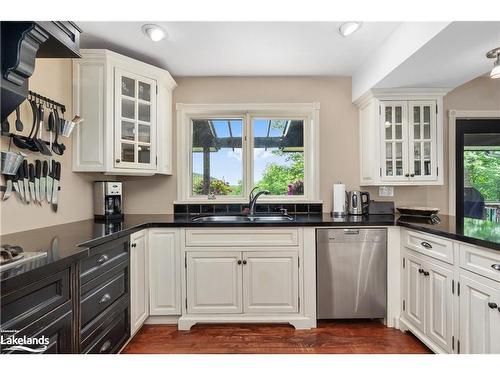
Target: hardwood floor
342, 337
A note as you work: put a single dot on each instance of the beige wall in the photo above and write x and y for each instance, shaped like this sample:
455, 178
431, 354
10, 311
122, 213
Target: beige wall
338, 132
52, 78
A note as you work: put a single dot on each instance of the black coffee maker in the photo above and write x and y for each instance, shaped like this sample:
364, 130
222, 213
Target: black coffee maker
108, 200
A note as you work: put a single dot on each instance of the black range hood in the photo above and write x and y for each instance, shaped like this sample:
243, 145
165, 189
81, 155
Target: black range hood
21, 44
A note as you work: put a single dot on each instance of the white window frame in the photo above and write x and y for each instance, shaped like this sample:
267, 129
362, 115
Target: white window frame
248, 111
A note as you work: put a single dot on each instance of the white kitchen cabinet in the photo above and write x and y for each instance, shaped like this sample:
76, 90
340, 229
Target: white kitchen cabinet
164, 272
439, 304
126, 106
479, 314
428, 299
401, 137
270, 282
213, 282
139, 285
414, 291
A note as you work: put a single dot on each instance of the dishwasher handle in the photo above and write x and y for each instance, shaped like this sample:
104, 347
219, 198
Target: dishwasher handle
351, 231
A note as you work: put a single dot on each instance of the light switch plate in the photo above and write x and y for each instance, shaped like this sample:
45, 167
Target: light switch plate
386, 191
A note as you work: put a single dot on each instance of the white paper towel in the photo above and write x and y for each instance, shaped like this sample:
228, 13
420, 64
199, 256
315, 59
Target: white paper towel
339, 201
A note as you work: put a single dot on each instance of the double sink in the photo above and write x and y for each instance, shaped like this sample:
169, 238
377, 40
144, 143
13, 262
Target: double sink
243, 218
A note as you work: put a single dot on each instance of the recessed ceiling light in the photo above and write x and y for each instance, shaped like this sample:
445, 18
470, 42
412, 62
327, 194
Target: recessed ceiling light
348, 28
154, 32
495, 54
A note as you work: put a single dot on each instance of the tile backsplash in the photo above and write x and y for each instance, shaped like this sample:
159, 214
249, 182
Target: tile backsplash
217, 208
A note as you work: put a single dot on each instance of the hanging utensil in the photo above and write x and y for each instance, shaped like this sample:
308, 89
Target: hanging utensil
38, 174
50, 181
20, 182
40, 144
5, 126
26, 143
43, 180
15, 183
31, 174
57, 178
26, 175
8, 189
19, 123
57, 147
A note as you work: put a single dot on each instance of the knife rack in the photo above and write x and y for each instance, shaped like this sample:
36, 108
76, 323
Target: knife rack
4, 188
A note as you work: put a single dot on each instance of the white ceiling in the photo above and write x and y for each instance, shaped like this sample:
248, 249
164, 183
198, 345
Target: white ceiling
243, 48
454, 56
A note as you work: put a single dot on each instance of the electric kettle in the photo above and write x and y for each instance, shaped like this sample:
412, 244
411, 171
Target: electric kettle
358, 202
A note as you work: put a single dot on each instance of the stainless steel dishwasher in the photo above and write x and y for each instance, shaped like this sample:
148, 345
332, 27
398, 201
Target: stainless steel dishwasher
351, 269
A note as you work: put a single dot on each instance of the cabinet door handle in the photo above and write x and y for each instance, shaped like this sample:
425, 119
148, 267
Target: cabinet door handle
104, 298
412, 175
492, 305
426, 273
244, 262
105, 347
239, 262
427, 245
117, 160
420, 270
102, 259
134, 245
407, 175
496, 267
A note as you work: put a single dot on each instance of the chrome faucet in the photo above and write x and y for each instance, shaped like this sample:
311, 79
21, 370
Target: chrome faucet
253, 199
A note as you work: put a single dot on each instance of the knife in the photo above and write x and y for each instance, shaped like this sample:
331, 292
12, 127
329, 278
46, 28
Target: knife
8, 189
57, 177
20, 182
50, 181
38, 173
15, 182
32, 182
25, 181
43, 180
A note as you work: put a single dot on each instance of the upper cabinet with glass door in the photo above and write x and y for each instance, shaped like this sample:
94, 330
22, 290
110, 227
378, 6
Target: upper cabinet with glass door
126, 106
410, 129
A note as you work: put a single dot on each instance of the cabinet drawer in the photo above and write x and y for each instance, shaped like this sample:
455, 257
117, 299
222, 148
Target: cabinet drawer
98, 327
23, 306
100, 298
432, 246
481, 261
114, 334
104, 257
243, 237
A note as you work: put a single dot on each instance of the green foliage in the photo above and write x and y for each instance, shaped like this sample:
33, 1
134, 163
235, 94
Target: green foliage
483, 171
217, 186
277, 178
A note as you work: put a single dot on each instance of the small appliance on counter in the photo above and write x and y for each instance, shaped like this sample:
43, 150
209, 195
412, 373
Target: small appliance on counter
108, 200
425, 215
358, 202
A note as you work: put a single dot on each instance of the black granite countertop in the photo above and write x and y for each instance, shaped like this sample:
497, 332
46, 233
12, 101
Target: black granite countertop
72, 241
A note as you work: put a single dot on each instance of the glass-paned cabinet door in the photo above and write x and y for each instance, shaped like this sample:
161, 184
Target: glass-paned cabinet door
394, 121
135, 121
422, 140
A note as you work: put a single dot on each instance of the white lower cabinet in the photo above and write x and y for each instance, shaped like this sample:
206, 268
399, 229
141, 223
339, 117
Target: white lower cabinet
213, 282
164, 272
234, 282
270, 282
451, 303
479, 314
427, 298
139, 285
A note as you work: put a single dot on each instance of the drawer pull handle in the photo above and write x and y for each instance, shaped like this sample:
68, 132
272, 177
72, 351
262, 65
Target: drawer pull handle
105, 347
492, 305
427, 245
496, 267
105, 298
102, 259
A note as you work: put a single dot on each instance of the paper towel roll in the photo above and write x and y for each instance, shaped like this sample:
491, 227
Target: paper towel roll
339, 201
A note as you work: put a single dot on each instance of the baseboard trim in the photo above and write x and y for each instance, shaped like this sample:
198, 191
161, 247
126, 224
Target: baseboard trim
162, 319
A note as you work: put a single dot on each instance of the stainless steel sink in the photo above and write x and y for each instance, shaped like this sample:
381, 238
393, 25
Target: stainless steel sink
243, 218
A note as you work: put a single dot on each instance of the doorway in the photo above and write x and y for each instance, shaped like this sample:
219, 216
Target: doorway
478, 169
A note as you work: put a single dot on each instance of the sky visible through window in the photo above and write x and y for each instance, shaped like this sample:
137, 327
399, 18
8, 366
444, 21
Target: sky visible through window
227, 165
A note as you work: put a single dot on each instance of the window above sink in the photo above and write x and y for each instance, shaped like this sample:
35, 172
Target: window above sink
225, 150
